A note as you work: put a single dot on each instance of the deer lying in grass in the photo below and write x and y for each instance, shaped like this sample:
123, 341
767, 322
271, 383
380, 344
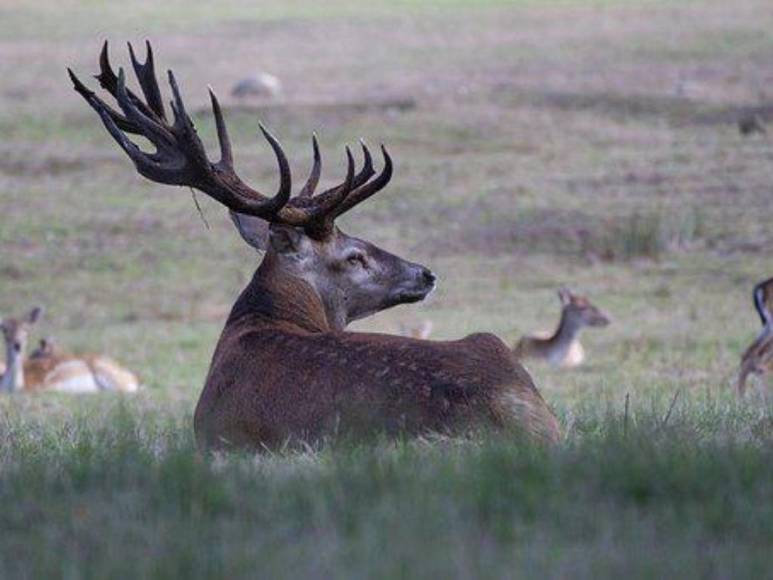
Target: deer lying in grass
46, 348
562, 347
420, 329
758, 358
284, 368
53, 370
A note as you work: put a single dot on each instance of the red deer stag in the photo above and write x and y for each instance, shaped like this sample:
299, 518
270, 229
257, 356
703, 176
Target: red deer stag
284, 368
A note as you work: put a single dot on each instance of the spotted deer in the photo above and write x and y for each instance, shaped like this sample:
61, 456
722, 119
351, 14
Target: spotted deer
51, 369
562, 348
285, 369
758, 357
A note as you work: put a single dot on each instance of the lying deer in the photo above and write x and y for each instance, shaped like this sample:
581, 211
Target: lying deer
53, 370
758, 358
562, 347
46, 348
421, 329
284, 367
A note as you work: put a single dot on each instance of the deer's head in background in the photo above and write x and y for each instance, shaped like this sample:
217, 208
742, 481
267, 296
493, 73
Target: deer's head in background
16, 331
580, 310
16, 335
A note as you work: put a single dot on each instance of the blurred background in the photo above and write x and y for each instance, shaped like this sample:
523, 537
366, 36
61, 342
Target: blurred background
616, 147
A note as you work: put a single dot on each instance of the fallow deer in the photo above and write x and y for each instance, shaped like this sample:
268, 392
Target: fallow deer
284, 368
758, 357
763, 301
51, 369
46, 348
562, 348
421, 329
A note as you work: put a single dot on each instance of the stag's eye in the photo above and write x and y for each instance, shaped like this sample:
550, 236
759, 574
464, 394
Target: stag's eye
356, 259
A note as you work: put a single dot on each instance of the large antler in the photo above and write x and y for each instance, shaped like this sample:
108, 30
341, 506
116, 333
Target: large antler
180, 157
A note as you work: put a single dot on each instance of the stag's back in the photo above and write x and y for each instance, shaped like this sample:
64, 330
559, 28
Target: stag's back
269, 385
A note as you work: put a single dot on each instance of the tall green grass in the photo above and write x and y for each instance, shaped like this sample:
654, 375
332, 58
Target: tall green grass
126, 495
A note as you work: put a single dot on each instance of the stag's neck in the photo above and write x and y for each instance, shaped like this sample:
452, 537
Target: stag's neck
274, 297
13, 378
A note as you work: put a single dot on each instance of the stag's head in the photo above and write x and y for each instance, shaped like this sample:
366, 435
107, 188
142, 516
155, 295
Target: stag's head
353, 277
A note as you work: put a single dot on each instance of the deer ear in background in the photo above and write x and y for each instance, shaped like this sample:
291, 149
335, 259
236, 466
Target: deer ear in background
564, 295
34, 315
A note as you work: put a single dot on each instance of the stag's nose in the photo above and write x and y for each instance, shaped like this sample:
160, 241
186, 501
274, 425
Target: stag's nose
428, 277
17, 346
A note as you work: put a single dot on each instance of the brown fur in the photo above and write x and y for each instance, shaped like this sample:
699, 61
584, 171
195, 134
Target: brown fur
280, 373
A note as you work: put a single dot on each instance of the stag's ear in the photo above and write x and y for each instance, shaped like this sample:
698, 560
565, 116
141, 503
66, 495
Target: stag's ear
253, 230
34, 315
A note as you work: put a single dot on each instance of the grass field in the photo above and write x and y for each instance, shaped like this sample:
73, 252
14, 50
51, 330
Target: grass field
588, 143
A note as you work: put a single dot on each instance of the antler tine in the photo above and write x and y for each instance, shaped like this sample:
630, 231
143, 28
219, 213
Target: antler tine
367, 170
108, 80
146, 75
106, 77
316, 170
157, 133
285, 179
326, 204
226, 155
362, 176
110, 121
122, 122
183, 125
368, 189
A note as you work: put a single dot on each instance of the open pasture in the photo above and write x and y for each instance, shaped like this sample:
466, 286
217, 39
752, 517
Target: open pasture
537, 144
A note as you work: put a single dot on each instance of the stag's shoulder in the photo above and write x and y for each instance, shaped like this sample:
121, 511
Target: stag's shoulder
486, 343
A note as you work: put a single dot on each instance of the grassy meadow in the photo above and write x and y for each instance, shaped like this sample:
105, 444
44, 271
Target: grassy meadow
589, 143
